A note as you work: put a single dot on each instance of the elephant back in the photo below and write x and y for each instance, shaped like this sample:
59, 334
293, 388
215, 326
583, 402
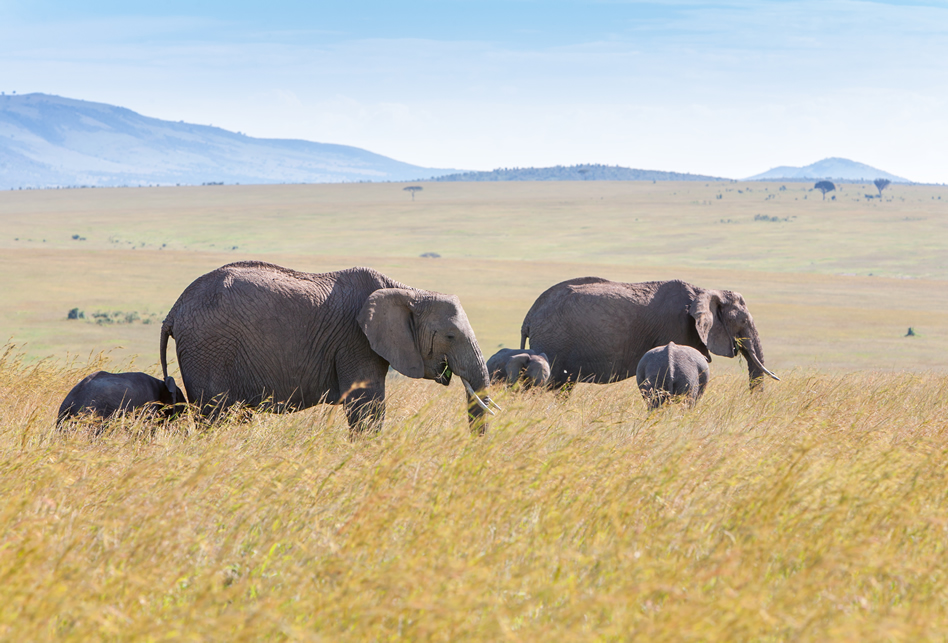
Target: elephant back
251, 330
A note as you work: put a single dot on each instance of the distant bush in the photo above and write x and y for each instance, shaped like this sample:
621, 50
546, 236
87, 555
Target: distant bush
121, 317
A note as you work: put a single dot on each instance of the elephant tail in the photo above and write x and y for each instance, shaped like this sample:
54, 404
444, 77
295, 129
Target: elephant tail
524, 333
162, 350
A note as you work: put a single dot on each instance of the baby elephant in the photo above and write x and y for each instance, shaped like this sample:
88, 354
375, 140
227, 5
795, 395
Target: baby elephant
104, 394
670, 371
511, 365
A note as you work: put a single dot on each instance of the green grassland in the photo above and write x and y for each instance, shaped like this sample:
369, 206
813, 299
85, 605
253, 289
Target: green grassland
620, 223
812, 510
806, 275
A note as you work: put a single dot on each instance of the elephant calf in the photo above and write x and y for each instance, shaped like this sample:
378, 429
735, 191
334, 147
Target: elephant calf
672, 371
512, 365
105, 394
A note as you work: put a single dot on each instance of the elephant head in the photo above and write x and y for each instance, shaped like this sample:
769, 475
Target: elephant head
726, 327
427, 335
533, 369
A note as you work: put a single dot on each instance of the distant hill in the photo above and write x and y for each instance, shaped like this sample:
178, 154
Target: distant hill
834, 169
49, 141
575, 173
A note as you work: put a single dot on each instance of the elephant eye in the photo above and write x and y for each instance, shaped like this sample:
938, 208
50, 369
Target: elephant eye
450, 337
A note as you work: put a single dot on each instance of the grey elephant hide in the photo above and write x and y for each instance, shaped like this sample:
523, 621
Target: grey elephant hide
512, 365
282, 340
672, 371
596, 330
104, 394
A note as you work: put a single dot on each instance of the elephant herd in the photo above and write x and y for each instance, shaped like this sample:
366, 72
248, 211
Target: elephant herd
272, 338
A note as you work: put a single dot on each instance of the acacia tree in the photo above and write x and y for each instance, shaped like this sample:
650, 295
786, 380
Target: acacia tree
413, 189
881, 184
824, 187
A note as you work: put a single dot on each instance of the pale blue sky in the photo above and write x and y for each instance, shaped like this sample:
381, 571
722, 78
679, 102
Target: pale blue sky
728, 88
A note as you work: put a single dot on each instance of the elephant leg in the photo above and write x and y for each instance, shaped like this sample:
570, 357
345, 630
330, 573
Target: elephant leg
361, 391
365, 410
364, 403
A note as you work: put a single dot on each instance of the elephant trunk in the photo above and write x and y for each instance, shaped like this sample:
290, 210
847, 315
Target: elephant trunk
753, 352
476, 379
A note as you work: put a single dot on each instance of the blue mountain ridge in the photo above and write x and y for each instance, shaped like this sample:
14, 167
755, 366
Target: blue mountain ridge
834, 169
50, 141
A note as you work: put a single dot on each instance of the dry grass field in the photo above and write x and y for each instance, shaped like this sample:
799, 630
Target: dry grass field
813, 510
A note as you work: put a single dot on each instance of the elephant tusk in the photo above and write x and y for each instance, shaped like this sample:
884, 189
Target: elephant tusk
760, 365
480, 402
496, 405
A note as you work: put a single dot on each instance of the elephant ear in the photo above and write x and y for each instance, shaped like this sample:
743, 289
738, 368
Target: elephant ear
514, 365
705, 308
387, 320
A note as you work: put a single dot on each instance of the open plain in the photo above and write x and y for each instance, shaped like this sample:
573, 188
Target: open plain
813, 510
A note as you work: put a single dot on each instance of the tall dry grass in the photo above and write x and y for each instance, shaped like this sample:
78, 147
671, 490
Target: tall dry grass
815, 510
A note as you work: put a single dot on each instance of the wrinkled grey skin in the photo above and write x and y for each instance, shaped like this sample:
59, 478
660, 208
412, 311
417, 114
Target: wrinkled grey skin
104, 394
524, 365
596, 330
270, 337
672, 371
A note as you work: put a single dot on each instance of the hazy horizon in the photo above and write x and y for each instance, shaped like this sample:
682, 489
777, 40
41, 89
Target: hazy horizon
724, 88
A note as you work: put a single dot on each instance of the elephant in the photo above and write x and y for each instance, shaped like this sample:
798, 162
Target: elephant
672, 371
596, 330
105, 394
512, 365
273, 338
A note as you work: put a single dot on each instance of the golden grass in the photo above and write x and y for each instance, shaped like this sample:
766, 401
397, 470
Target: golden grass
815, 510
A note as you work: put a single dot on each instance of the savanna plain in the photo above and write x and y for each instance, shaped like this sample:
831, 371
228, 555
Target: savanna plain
814, 509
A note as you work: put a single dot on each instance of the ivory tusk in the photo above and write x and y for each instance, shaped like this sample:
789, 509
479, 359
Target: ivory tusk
496, 405
761, 366
480, 402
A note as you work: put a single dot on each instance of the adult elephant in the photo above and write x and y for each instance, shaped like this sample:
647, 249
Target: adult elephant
263, 335
596, 330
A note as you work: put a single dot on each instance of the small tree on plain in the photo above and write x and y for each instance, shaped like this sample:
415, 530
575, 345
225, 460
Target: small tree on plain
881, 184
413, 189
824, 187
